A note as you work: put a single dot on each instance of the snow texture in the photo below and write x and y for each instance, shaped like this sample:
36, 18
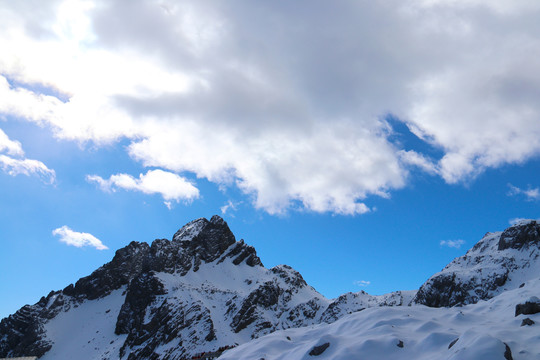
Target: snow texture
478, 331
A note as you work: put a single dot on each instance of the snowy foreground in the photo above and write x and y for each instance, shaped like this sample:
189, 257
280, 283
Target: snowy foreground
483, 331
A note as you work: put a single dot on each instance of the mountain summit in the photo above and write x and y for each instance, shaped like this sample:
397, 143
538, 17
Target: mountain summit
204, 291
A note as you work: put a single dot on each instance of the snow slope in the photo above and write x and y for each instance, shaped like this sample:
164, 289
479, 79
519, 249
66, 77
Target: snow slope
484, 331
88, 329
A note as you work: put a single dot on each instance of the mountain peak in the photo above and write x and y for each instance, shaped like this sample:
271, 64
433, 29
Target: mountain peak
207, 239
522, 234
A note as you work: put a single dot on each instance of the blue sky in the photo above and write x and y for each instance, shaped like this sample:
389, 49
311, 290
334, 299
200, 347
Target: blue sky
366, 145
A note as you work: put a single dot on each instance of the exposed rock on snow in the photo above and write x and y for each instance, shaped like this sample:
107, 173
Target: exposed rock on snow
531, 306
500, 261
318, 350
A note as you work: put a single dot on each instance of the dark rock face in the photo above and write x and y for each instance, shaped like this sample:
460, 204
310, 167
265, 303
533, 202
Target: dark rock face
22, 333
486, 270
517, 237
318, 350
528, 307
507, 352
265, 296
141, 292
527, 322
127, 263
442, 291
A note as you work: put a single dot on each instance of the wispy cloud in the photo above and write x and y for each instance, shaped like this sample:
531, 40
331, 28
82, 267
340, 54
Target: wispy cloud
230, 206
78, 239
13, 162
362, 283
456, 244
170, 186
531, 194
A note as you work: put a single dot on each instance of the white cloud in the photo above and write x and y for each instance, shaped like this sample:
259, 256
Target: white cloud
531, 194
78, 239
169, 185
362, 283
292, 115
10, 146
14, 162
456, 244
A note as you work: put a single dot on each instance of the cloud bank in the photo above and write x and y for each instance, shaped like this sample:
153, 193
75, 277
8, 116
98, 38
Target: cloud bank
78, 239
286, 101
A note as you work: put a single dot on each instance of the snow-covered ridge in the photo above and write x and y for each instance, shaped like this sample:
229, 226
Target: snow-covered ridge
486, 330
499, 262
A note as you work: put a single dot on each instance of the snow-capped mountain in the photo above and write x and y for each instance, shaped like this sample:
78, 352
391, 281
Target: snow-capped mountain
203, 291
198, 292
499, 262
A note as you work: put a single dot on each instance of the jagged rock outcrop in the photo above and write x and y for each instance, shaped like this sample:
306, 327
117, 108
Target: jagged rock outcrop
22, 333
498, 262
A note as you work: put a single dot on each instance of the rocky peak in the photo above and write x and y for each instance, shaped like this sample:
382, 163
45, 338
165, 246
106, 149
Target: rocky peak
206, 240
523, 234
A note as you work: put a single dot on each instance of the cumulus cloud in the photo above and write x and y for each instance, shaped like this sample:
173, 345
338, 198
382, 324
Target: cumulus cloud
456, 244
362, 283
14, 162
170, 186
530, 194
284, 100
78, 239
